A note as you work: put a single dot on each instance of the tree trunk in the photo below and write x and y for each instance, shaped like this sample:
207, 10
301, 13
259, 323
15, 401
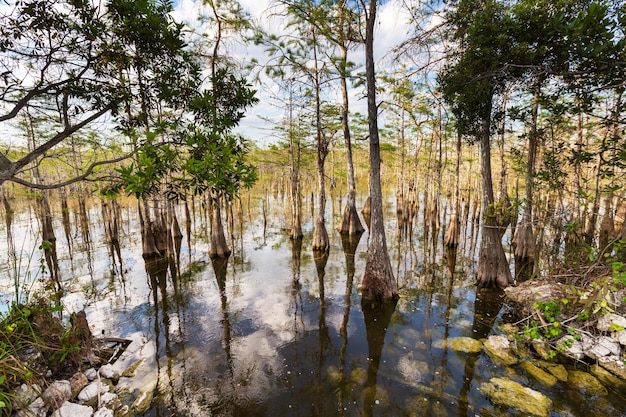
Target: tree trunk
350, 223
294, 162
607, 229
452, 237
378, 280
320, 235
493, 268
65, 219
219, 247
524, 239
49, 239
504, 218
367, 211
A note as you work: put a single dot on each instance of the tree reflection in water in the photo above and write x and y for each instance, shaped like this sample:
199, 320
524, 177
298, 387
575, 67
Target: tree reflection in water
377, 317
487, 305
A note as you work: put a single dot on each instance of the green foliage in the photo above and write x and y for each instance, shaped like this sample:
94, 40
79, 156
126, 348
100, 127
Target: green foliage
126, 58
216, 158
532, 330
202, 155
550, 309
552, 172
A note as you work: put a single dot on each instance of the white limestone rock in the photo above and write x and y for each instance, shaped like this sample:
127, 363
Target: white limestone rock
109, 371
69, 409
91, 374
24, 395
37, 408
110, 400
600, 347
91, 392
57, 393
572, 347
104, 412
611, 322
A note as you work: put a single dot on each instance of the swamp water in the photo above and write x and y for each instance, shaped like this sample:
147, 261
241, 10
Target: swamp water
279, 331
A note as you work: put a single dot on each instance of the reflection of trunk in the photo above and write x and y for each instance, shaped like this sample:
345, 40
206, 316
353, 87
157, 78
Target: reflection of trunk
296, 286
377, 317
157, 273
220, 265
350, 244
110, 220
188, 225
321, 258
493, 268
159, 227
487, 305
296, 255
84, 220
219, 247
177, 235
451, 253
450, 256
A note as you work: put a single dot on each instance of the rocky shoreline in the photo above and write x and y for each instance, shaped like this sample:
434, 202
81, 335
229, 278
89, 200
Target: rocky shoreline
115, 389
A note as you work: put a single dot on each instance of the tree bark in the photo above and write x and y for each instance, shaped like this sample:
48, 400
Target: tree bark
219, 247
320, 235
350, 223
452, 237
493, 268
524, 239
378, 280
296, 200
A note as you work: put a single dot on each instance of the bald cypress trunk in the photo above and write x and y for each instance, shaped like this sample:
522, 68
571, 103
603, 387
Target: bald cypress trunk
524, 238
378, 280
350, 223
493, 268
219, 247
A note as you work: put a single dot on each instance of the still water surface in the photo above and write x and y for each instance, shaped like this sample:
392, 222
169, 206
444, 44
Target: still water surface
279, 331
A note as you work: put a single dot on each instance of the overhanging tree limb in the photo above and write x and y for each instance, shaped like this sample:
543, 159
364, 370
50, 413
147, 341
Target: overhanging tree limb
9, 169
81, 177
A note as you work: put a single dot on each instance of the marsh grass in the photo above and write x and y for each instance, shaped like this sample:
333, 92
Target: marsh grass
35, 344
